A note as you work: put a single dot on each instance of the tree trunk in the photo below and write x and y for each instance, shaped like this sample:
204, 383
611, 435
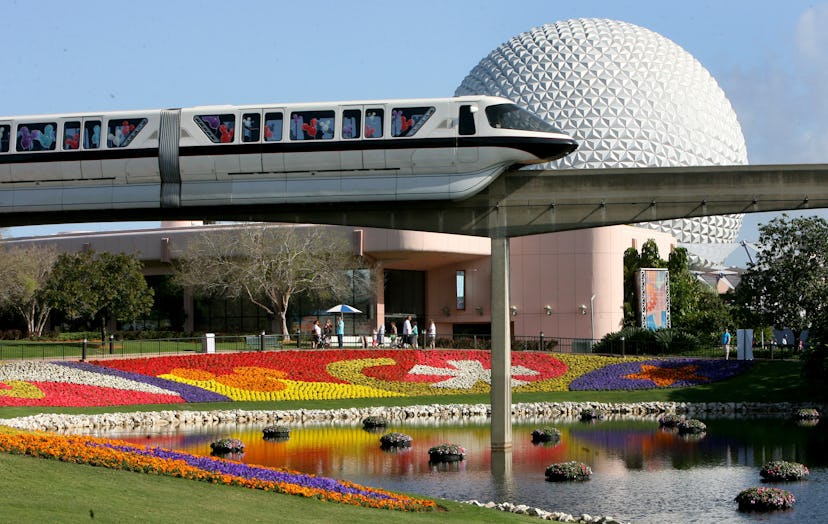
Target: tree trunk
103, 330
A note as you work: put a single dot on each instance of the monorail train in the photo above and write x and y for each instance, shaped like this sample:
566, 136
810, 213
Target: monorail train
386, 150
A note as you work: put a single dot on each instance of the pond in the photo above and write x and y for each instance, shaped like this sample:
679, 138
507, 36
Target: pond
641, 473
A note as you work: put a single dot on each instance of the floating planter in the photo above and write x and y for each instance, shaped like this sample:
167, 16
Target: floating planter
691, 426
546, 435
806, 414
395, 440
276, 432
227, 445
571, 470
782, 470
374, 421
765, 499
670, 420
446, 453
591, 414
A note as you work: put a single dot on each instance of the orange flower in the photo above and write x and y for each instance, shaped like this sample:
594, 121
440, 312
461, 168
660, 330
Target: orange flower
666, 376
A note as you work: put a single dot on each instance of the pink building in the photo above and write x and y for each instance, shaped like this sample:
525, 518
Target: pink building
566, 285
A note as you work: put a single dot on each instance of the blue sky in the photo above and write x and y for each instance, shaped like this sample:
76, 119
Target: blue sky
771, 58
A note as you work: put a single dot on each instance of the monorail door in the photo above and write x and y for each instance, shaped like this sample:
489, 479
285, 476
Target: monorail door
466, 127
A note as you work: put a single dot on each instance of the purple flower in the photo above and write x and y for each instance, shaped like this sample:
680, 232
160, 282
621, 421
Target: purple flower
188, 393
631, 375
246, 471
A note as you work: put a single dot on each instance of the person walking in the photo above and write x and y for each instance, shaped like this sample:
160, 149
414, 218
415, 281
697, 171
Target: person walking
406, 334
327, 333
394, 333
316, 336
415, 335
380, 334
340, 330
726, 343
432, 334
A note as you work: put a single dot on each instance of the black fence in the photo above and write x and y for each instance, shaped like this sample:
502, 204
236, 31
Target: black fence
112, 348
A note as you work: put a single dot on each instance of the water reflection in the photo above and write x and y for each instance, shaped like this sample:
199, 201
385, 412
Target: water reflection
640, 472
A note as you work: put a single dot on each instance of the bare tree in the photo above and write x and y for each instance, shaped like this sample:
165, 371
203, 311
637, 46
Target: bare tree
268, 264
24, 273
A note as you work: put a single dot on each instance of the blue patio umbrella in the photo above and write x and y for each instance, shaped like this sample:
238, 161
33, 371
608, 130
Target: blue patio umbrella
343, 308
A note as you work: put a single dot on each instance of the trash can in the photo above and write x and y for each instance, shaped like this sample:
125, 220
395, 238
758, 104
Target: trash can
208, 345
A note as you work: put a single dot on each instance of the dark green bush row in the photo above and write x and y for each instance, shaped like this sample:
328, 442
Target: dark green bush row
639, 341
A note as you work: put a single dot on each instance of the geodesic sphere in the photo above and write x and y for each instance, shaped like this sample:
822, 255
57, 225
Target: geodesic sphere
631, 98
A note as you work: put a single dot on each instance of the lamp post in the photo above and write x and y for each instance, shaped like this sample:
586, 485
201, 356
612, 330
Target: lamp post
592, 317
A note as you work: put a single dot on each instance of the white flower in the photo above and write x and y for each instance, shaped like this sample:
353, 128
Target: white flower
466, 373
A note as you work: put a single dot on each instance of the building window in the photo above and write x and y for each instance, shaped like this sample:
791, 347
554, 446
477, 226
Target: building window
460, 281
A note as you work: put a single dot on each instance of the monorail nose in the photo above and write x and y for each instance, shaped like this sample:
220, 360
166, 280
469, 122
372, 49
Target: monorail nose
549, 149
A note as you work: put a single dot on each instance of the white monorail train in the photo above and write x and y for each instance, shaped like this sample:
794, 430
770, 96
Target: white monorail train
384, 150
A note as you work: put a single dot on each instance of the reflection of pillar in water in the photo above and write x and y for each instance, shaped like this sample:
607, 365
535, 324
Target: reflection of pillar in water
502, 475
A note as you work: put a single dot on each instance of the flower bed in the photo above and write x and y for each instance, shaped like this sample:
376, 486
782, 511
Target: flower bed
764, 499
572, 470
317, 375
115, 454
782, 470
446, 453
691, 426
649, 374
395, 440
546, 434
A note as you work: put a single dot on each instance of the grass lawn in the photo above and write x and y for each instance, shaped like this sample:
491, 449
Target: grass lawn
37, 490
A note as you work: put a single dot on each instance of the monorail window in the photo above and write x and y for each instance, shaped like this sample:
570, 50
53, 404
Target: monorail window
312, 125
218, 128
406, 121
36, 136
466, 121
250, 127
92, 134
351, 122
510, 116
5, 131
122, 132
273, 127
71, 135
373, 123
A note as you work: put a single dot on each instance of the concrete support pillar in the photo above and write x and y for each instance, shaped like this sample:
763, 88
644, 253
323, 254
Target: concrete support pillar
501, 348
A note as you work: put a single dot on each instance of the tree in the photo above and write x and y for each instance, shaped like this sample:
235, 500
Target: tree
100, 287
694, 307
633, 261
266, 264
24, 273
787, 285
